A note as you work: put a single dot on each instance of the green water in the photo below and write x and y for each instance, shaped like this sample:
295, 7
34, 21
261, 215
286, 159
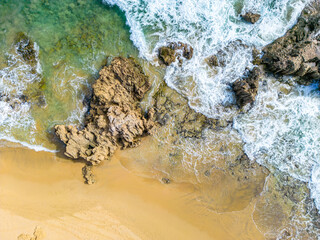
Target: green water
74, 39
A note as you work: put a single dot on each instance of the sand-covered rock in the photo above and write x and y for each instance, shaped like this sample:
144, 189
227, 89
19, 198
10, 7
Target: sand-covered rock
298, 51
115, 118
168, 54
38, 234
246, 89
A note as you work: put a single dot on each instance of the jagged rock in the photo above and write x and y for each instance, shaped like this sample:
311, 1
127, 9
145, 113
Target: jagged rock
251, 17
246, 89
88, 175
115, 118
169, 54
38, 234
298, 51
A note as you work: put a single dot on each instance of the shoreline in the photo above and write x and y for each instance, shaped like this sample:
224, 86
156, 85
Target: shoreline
48, 191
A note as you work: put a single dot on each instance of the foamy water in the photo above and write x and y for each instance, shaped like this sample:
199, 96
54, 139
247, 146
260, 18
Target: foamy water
16, 122
210, 27
281, 130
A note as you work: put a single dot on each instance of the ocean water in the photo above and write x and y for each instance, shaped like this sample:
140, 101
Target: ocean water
210, 27
73, 37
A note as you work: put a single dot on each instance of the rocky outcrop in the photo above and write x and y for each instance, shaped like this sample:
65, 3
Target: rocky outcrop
115, 118
173, 51
298, 51
246, 89
251, 17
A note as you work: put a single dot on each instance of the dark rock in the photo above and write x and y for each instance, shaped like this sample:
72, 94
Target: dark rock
166, 180
168, 54
251, 17
246, 89
298, 51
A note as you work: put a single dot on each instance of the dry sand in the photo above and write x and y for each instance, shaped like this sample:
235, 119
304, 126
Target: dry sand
42, 189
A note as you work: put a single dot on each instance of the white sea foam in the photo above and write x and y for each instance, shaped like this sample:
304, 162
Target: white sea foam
281, 130
210, 27
16, 122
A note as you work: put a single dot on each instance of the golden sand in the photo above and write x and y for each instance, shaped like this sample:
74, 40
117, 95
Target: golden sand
45, 190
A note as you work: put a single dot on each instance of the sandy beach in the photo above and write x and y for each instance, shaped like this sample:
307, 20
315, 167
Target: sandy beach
44, 190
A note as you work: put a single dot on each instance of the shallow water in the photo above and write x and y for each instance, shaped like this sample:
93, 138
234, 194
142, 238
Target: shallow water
73, 39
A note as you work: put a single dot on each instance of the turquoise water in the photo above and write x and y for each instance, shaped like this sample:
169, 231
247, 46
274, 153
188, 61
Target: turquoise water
74, 37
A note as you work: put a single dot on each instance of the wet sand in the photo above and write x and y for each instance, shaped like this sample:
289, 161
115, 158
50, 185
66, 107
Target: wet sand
45, 190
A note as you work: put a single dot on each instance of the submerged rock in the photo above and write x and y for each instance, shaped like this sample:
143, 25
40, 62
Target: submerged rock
246, 89
25, 47
115, 118
169, 54
298, 51
251, 17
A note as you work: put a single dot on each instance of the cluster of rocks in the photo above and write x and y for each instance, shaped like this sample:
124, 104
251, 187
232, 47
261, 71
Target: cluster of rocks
173, 51
115, 119
298, 51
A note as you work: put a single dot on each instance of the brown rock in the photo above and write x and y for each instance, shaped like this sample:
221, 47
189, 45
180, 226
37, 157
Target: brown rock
298, 51
88, 175
115, 119
251, 17
246, 89
213, 61
169, 54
